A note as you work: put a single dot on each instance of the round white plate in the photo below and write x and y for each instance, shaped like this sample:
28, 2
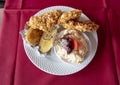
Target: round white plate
51, 63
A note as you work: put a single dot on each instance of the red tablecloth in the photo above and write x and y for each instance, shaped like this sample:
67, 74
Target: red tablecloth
16, 68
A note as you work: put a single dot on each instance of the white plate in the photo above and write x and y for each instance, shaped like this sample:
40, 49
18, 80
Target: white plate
51, 63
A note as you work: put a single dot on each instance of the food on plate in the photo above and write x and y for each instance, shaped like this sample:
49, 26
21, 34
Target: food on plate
82, 26
69, 42
71, 46
46, 41
33, 36
71, 20
46, 21
70, 15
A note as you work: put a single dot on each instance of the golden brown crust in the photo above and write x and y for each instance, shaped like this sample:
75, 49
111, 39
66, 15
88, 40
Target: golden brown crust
71, 20
45, 21
33, 36
82, 26
70, 15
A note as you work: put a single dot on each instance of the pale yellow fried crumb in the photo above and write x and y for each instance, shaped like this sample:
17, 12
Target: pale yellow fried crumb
83, 26
71, 20
45, 21
70, 15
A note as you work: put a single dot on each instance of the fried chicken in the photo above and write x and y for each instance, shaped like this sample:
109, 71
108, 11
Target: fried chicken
82, 26
46, 21
71, 20
33, 36
70, 15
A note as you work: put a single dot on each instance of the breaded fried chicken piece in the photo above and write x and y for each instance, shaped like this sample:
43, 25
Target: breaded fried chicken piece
71, 20
33, 36
45, 21
83, 26
70, 15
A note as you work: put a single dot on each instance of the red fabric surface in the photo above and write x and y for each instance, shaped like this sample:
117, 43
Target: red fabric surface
16, 68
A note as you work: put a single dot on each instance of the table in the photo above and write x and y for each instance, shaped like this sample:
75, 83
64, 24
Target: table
16, 68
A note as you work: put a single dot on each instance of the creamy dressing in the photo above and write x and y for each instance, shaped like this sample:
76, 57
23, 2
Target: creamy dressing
72, 57
75, 56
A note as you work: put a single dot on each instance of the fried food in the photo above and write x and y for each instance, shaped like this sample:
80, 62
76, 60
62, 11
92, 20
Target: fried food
46, 41
71, 20
70, 15
41, 27
46, 21
33, 36
87, 26
82, 26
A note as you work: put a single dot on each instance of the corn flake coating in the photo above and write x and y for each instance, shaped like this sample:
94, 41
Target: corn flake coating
82, 26
70, 15
46, 21
71, 20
